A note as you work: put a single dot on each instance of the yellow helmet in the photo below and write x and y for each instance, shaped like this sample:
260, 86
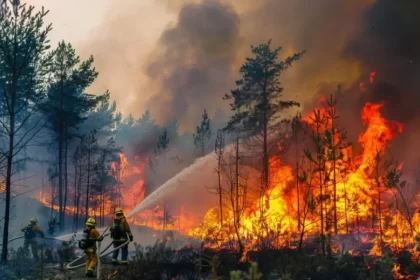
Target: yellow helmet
119, 211
91, 222
33, 220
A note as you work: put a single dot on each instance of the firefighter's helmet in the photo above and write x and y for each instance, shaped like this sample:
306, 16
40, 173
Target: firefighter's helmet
33, 220
119, 211
91, 222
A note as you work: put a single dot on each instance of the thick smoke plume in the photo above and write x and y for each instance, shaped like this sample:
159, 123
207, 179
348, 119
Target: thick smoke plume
197, 57
389, 44
193, 62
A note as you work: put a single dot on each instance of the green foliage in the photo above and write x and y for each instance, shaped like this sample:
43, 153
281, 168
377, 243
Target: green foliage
203, 134
235, 275
383, 267
23, 72
163, 142
256, 100
253, 273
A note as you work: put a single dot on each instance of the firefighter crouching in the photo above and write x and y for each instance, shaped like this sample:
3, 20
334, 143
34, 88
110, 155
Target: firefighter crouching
119, 231
31, 231
88, 244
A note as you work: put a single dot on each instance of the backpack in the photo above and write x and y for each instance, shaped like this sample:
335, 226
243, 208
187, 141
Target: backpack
29, 232
117, 231
85, 242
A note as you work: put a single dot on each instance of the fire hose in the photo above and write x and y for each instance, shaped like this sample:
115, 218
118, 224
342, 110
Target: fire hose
102, 254
19, 237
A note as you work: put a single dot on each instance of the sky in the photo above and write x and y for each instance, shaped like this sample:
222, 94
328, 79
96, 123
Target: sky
81, 22
179, 57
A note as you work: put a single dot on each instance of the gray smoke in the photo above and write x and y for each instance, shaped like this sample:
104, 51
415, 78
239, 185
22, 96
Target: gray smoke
198, 59
389, 44
193, 62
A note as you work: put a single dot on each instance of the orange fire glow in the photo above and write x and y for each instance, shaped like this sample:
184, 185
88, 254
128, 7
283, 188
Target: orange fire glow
361, 196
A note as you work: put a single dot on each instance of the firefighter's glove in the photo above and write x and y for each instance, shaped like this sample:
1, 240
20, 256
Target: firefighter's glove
131, 238
100, 238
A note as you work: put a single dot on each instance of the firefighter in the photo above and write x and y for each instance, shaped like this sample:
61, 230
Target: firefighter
31, 231
88, 244
119, 231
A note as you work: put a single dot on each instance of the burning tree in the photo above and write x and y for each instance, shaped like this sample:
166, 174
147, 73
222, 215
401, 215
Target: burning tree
362, 189
256, 100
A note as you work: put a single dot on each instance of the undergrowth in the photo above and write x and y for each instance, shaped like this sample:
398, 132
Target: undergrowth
161, 262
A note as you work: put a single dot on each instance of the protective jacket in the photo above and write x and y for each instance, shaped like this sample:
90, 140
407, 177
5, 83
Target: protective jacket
31, 231
119, 229
92, 236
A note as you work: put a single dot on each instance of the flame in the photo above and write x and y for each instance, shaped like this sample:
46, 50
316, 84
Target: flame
396, 272
361, 196
280, 214
372, 77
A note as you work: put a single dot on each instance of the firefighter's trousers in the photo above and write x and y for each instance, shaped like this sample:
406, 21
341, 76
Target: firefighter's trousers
91, 259
34, 247
124, 252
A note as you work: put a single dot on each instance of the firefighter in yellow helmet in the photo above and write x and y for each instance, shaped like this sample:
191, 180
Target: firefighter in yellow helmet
31, 231
88, 244
119, 231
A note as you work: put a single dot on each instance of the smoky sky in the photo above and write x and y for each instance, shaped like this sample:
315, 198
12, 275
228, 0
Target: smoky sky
194, 59
197, 57
389, 44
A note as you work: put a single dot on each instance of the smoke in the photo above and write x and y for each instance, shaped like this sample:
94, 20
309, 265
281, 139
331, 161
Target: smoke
193, 61
197, 57
389, 44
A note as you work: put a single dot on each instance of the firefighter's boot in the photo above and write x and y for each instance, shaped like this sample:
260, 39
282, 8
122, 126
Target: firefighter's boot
89, 273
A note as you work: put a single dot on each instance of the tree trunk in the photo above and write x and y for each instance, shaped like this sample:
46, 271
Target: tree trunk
65, 178
321, 166
10, 153
345, 210
297, 185
8, 184
60, 157
219, 175
265, 154
75, 196
79, 194
87, 187
334, 179
302, 234
237, 176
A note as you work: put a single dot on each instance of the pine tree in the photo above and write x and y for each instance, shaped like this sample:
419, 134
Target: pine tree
203, 134
67, 106
336, 142
23, 69
256, 100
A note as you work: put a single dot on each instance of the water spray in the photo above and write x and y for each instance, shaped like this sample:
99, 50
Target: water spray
102, 254
170, 185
